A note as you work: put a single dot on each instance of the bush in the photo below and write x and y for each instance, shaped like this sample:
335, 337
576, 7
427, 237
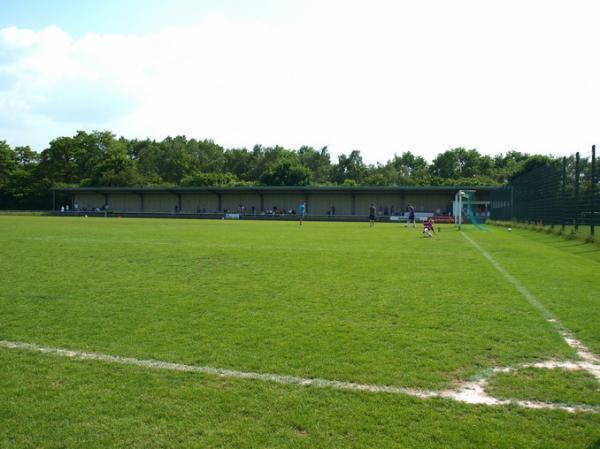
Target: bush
571, 235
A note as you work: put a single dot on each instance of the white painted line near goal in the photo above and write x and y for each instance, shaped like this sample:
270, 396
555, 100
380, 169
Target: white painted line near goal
157, 364
472, 392
582, 351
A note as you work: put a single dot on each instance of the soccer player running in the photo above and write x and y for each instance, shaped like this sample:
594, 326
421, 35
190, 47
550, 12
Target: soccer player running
302, 211
411, 216
372, 213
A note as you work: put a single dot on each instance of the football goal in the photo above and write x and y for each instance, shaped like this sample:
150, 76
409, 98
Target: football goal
466, 210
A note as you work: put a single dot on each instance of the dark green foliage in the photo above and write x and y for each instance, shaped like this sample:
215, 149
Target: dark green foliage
99, 158
211, 179
286, 173
318, 162
349, 167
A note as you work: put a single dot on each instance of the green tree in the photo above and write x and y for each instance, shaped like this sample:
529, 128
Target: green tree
58, 163
349, 167
286, 173
8, 163
175, 159
532, 163
265, 159
318, 162
506, 165
206, 156
459, 163
239, 161
409, 166
211, 179
23, 186
116, 168
147, 156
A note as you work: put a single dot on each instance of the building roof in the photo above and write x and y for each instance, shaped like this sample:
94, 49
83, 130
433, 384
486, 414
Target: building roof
274, 189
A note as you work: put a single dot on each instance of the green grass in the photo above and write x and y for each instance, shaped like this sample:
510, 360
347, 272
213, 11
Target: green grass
23, 212
562, 274
51, 403
582, 234
330, 300
547, 385
336, 301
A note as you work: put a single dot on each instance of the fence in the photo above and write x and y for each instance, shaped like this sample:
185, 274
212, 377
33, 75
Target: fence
564, 192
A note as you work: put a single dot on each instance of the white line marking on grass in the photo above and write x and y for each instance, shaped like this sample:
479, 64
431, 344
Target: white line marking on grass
515, 283
593, 365
580, 348
469, 393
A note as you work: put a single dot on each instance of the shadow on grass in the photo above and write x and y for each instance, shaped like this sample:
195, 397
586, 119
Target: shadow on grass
594, 445
595, 250
568, 244
590, 250
583, 249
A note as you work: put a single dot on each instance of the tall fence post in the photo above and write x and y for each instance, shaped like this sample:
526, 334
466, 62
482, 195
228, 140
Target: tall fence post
593, 210
564, 194
512, 204
576, 199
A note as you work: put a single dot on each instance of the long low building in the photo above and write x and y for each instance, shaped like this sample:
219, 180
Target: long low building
320, 201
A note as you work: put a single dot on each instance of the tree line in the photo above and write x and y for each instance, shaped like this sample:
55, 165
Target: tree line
100, 158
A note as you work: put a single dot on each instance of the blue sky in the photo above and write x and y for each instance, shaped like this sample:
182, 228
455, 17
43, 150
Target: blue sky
127, 16
379, 76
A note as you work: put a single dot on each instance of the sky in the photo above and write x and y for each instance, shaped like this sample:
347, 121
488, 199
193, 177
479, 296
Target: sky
379, 76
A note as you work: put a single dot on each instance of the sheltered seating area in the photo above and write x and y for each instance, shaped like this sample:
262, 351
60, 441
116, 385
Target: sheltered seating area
322, 203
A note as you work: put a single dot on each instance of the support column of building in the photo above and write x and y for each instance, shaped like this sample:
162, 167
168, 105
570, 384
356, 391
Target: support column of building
306, 206
141, 202
220, 207
262, 203
106, 203
353, 203
179, 202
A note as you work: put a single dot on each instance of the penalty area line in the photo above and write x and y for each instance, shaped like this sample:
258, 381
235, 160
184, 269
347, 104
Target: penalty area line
472, 392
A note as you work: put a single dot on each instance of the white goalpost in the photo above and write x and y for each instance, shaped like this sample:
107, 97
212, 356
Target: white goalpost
457, 208
463, 210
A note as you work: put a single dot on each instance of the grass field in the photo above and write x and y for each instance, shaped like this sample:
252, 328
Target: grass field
335, 301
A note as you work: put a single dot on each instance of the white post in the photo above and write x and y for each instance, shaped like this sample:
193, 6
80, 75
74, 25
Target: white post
460, 208
455, 208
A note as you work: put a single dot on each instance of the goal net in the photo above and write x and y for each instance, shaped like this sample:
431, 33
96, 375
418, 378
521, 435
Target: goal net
465, 210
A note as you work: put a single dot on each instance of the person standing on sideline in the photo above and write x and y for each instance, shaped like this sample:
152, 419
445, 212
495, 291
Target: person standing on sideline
302, 211
372, 212
411, 216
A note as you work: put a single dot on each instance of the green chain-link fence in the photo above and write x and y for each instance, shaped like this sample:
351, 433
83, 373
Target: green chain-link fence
565, 193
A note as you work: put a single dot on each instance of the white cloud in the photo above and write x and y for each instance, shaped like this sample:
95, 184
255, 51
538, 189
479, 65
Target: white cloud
381, 76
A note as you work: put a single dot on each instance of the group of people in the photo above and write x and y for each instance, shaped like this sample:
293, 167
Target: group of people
410, 210
428, 229
280, 211
76, 208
